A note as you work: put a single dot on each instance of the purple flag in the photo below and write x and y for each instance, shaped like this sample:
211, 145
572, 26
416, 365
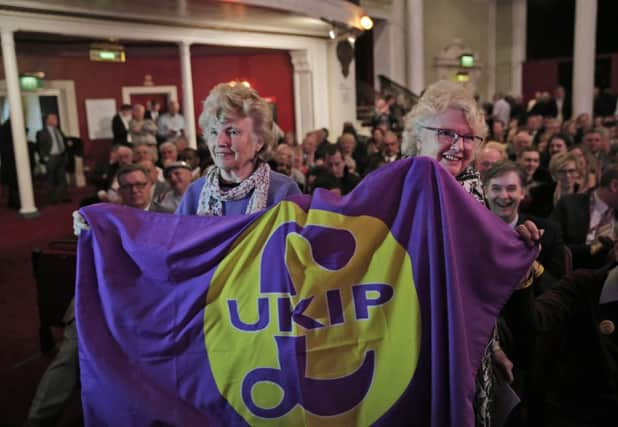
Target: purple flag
373, 308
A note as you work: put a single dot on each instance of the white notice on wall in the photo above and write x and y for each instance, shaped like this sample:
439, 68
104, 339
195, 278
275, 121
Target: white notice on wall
99, 115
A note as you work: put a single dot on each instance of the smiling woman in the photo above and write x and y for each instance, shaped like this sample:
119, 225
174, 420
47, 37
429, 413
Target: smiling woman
448, 126
239, 129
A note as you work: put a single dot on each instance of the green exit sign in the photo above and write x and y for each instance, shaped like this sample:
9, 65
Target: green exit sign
30, 83
466, 61
103, 55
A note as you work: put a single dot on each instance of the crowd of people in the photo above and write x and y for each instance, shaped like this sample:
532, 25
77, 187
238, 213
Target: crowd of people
552, 179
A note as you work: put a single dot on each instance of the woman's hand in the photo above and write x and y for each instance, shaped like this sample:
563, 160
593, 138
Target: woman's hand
79, 223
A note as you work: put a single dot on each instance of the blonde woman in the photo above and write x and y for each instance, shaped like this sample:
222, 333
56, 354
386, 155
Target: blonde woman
446, 124
238, 126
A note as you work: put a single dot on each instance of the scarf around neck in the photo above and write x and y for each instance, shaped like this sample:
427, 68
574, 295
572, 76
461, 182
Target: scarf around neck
213, 195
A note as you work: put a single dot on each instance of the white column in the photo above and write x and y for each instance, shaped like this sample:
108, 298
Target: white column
583, 56
20, 144
491, 48
341, 92
397, 40
519, 45
416, 51
187, 93
303, 93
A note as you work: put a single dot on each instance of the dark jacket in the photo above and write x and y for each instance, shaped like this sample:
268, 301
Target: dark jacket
119, 131
44, 142
580, 378
572, 214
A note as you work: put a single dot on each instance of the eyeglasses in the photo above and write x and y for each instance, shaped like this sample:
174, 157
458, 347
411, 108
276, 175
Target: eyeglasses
137, 185
450, 137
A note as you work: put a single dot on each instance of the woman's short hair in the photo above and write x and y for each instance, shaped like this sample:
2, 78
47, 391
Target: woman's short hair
237, 101
438, 98
559, 160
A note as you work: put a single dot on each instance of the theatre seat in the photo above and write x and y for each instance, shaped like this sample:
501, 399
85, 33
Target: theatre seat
54, 271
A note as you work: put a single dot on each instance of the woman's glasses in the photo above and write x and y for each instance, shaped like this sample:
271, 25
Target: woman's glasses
450, 137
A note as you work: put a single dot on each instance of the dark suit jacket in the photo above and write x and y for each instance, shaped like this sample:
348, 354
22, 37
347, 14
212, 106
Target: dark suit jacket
44, 142
552, 108
552, 254
119, 131
572, 214
580, 380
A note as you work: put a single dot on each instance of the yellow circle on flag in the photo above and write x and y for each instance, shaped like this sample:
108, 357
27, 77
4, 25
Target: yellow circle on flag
323, 329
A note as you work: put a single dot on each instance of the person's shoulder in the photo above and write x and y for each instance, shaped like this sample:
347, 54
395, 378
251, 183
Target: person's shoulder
197, 184
279, 181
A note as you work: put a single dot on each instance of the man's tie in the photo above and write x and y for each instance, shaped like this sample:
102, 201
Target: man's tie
57, 137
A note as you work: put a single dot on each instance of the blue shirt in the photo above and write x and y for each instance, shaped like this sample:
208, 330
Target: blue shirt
280, 188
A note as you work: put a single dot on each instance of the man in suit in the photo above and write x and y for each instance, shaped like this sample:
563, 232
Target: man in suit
560, 106
52, 146
504, 188
588, 221
120, 125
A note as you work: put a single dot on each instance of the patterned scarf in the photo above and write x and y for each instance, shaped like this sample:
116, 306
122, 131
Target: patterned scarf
212, 195
470, 180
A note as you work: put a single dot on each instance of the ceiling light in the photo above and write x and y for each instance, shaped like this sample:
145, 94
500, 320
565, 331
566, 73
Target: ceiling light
366, 23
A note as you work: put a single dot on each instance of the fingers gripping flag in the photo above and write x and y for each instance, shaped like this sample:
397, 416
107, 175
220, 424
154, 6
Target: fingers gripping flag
371, 309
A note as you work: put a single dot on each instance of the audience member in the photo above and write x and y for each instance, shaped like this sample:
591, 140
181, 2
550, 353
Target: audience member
179, 176
593, 140
142, 130
498, 131
191, 156
347, 141
335, 163
589, 166
153, 109
310, 146
521, 140
588, 221
51, 144
159, 188
171, 124
490, 153
504, 187
120, 125
168, 153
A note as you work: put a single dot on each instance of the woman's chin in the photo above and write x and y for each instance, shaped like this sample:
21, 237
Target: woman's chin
453, 167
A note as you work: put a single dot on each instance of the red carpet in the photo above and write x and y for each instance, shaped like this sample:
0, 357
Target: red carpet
21, 364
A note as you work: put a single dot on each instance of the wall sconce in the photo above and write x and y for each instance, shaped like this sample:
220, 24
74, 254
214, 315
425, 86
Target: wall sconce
462, 77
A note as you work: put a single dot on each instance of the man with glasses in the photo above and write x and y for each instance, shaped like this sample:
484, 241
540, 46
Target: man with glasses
135, 188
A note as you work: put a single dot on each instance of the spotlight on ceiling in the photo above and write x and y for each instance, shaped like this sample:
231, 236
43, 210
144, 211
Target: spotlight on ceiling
366, 22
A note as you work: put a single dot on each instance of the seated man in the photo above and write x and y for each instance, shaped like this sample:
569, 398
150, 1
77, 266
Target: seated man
179, 176
159, 188
336, 165
504, 188
62, 375
491, 153
135, 188
588, 221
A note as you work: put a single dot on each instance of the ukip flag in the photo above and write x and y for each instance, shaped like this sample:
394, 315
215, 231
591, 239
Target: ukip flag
370, 309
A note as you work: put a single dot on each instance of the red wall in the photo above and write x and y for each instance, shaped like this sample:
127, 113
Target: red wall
269, 73
539, 76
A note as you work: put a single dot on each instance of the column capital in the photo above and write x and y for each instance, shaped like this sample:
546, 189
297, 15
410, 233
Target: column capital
7, 36
185, 44
300, 61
